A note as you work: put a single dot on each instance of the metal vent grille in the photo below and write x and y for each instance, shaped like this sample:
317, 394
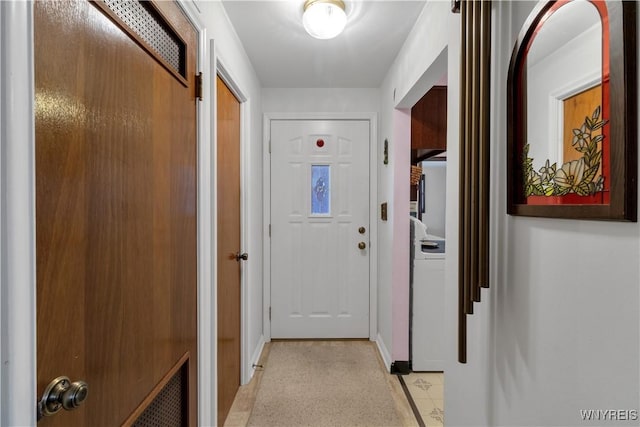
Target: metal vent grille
169, 408
145, 21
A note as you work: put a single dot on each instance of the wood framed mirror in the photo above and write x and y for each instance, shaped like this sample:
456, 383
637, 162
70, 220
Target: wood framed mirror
572, 112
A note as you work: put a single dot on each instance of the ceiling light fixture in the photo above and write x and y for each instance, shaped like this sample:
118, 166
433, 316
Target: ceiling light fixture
324, 19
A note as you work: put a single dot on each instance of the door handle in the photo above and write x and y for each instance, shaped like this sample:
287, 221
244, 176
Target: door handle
362, 245
61, 393
242, 256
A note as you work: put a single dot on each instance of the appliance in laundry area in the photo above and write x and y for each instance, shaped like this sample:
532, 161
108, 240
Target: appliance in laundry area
427, 299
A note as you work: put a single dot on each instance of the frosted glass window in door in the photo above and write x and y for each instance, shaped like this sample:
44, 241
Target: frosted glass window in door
320, 189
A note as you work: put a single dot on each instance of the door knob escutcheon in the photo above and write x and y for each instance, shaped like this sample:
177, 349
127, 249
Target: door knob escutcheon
61, 393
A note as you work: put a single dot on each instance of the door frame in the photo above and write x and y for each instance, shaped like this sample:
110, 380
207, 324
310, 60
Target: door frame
18, 389
218, 64
372, 118
17, 216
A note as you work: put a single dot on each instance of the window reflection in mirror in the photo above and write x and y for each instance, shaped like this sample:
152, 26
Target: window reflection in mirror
564, 59
564, 87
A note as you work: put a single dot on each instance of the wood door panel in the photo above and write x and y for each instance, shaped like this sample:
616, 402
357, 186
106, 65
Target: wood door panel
116, 212
59, 117
575, 109
228, 188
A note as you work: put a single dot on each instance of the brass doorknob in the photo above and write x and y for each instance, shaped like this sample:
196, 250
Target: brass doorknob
362, 245
362, 230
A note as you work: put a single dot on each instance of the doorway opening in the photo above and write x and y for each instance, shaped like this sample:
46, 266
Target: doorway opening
364, 246
233, 250
427, 101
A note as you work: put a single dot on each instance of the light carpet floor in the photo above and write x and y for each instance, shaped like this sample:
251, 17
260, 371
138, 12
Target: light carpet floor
323, 383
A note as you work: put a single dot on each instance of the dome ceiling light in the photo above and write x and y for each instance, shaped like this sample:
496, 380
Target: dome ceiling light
324, 19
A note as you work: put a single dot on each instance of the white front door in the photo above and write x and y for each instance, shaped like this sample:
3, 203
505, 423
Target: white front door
320, 228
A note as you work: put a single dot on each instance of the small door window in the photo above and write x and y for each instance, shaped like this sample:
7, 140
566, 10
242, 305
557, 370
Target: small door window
320, 189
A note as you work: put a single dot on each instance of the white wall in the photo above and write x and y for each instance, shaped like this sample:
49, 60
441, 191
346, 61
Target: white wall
400, 294
320, 100
385, 228
420, 64
559, 329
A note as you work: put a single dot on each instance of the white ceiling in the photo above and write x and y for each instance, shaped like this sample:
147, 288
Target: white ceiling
567, 23
284, 55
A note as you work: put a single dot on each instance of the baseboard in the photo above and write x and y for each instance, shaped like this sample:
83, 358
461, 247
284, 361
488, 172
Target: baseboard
401, 367
255, 358
384, 353
427, 365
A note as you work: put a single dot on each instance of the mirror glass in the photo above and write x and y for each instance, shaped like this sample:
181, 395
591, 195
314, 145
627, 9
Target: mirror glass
565, 113
572, 112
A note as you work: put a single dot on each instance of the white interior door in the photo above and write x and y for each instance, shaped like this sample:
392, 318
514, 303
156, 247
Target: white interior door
320, 228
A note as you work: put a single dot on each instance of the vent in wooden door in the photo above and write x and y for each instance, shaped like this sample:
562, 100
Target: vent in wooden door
147, 23
169, 407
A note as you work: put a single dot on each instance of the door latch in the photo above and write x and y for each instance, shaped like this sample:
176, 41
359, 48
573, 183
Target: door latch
61, 393
243, 256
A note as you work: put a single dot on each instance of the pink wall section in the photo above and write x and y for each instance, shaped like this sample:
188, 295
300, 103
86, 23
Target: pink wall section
401, 161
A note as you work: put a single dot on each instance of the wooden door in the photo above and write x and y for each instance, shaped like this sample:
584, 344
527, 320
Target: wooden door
575, 109
229, 268
116, 208
320, 228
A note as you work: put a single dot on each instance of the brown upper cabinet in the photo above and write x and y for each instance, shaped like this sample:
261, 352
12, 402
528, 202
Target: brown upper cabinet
429, 124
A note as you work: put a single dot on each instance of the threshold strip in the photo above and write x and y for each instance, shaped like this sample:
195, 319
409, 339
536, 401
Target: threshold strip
414, 408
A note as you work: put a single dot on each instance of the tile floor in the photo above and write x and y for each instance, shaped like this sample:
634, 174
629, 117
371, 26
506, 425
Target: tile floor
427, 391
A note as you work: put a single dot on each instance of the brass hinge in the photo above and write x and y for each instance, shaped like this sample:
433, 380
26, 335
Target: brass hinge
199, 86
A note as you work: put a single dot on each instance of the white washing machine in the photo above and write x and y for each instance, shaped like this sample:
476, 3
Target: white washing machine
427, 326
